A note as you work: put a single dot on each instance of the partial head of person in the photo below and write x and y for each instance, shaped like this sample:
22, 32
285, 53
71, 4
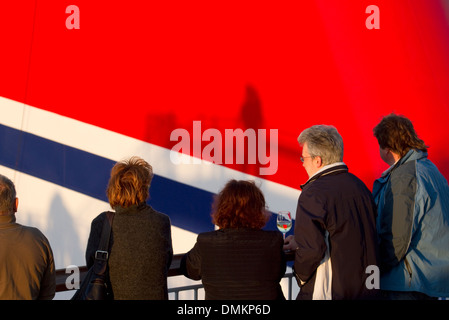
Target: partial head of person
129, 183
8, 200
321, 145
240, 204
396, 137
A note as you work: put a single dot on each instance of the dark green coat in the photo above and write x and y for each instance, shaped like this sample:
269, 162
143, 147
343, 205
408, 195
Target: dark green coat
141, 252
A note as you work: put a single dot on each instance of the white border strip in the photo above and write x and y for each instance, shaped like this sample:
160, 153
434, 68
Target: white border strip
115, 146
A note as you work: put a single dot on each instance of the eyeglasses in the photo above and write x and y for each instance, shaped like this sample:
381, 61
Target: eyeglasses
302, 158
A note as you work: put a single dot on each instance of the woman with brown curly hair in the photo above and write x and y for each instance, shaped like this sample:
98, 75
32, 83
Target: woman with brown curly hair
141, 246
238, 261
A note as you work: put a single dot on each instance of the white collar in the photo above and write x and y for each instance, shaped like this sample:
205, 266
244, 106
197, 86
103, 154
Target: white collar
327, 167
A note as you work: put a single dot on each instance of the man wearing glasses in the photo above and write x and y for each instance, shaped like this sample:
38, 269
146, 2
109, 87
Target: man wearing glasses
335, 234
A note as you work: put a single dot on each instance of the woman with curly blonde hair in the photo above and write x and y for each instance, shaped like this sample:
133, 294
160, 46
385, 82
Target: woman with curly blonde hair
239, 260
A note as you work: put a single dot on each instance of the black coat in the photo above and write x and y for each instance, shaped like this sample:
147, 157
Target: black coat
237, 264
335, 206
141, 252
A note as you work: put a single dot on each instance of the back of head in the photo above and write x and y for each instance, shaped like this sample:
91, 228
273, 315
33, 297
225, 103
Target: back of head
129, 183
7, 196
323, 141
240, 204
396, 132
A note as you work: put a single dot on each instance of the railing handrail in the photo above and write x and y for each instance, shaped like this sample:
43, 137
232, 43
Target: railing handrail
61, 275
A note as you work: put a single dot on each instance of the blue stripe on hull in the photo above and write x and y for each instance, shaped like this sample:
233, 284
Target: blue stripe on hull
84, 172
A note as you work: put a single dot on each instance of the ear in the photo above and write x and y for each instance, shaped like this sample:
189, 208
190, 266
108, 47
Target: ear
16, 205
318, 161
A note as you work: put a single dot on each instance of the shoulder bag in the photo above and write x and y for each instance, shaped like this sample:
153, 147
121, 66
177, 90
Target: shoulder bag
96, 284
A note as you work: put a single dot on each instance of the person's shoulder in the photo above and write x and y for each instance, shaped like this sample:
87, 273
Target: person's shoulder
404, 174
408, 167
247, 233
358, 182
343, 180
36, 234
274, 235
210, 235
99, 218
157, 214
425, 168
263, 238
32, 230
314, 190
271, 233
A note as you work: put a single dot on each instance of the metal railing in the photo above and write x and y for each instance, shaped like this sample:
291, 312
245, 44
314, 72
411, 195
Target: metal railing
61, 278
196, 287
177, 290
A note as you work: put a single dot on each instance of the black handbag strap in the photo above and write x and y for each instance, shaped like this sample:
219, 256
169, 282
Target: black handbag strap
103, 253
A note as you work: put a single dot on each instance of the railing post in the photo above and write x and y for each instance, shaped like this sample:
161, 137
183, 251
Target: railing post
290, 287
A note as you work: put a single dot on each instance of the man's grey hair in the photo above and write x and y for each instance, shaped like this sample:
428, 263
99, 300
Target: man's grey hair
323, 141
7, 195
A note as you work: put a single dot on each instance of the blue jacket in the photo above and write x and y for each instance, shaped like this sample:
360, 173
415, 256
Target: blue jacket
413, 226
